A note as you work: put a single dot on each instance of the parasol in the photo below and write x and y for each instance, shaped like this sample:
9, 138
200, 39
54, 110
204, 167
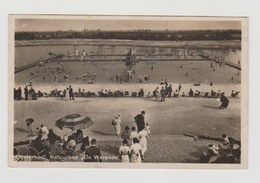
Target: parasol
74, 122
29, 121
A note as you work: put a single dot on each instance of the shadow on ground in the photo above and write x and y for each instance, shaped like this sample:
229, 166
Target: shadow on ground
99, 132
211, 107
21, 130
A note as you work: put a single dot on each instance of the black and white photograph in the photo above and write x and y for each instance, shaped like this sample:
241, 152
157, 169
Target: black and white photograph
128, 91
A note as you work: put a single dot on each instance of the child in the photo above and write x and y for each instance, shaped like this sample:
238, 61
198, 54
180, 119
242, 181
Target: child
126, 135
148, 129
133, 134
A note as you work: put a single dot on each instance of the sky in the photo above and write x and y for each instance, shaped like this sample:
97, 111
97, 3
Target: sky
119, 24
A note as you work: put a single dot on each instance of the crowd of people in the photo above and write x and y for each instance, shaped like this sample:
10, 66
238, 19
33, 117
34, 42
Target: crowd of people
158, 94
49, 145
134, 140
29, 94
228, 151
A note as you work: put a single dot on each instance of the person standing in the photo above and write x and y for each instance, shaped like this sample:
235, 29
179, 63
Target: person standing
179, 87
19, 93
67, 95
170, 91
29, 126
117, 124
120, 79
124, 152
26, 93
15, 94
136, 152
44, 132
224, 101
133, 134
93, 153
71, 94
126, 135
139, 120
117, 77
156, 93
162, 94
147, 128
143, 135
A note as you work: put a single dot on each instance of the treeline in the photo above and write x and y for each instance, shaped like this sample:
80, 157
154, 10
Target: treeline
133, 35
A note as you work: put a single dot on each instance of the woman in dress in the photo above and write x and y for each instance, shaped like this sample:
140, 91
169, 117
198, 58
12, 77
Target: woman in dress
67, 94
143, 135
136, 152
124, 152
117, 124
133, 134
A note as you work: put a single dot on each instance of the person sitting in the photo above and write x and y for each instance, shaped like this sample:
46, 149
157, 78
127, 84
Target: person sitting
140, 80
162, 82
191, 93
78, 136
229, 142
71, 147
197, 84
149, 95
141, 93
212, 94
234, 94
71, 143
214, 154
52, 137
183, 94
85, 142
146, 79
39, 145
40, 94
218, 94
197, 93
44, 131
176, 93
93, 153
206, 94
211, 83
110, 93
84, 77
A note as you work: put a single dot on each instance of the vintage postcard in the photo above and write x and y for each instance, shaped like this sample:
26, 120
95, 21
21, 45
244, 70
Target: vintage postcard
128, 92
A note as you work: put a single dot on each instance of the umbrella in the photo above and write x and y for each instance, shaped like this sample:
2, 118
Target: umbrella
74, 122
29, 121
